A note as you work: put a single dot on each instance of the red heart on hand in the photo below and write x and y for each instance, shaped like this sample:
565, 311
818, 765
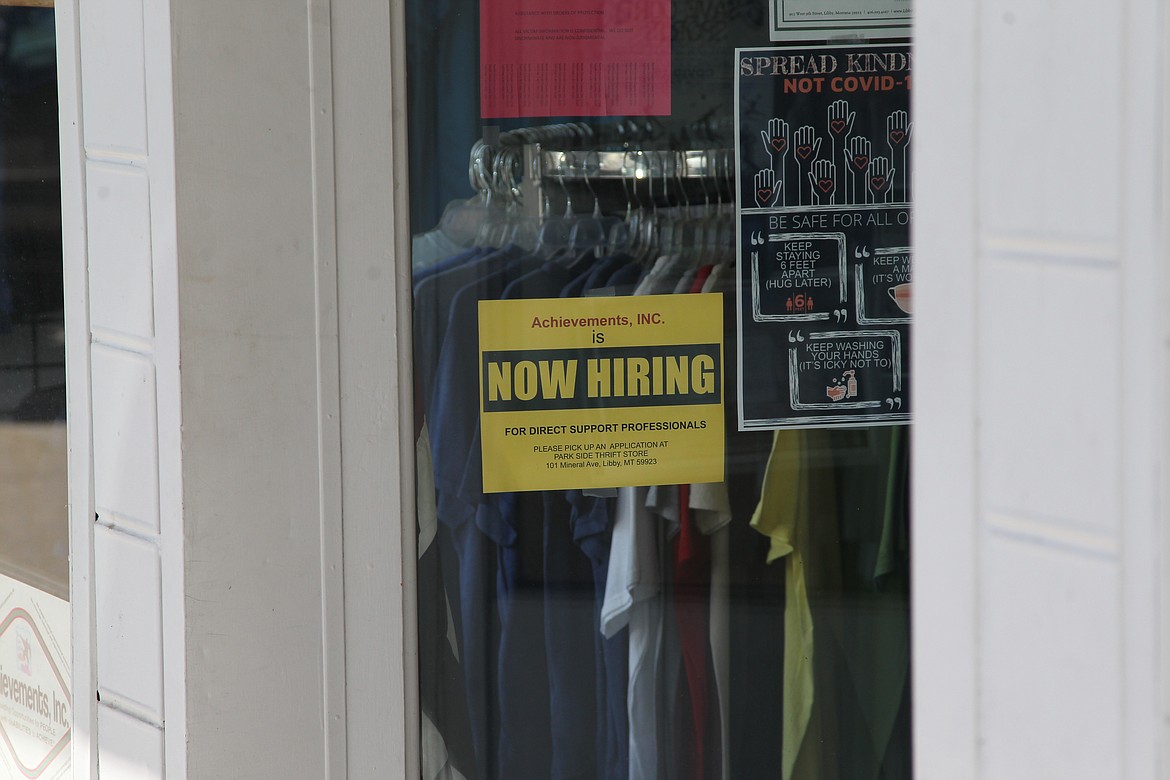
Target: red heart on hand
764, 194
780, 144
897, 135
837, 126
860, 162
877, 182
804, 151
825, 185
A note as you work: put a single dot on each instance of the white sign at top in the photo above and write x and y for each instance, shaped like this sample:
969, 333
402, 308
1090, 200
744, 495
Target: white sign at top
808, 20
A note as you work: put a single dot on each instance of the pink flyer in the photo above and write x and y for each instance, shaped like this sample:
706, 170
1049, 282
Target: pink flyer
580, 58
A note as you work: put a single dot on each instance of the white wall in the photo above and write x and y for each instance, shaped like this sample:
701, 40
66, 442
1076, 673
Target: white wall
1038, 359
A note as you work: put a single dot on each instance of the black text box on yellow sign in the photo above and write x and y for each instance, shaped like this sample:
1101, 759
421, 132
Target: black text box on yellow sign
601, 392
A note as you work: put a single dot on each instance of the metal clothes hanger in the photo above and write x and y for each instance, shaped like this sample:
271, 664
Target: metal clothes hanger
591, 233
623, 234
553, 236
650, 234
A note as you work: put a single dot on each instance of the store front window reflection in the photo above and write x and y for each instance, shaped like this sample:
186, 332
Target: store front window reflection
33, 483
626, 572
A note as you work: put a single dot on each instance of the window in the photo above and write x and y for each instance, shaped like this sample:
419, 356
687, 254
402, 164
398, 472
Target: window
661, 316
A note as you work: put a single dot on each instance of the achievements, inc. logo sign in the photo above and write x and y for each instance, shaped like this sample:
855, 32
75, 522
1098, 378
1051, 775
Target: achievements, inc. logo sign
23, 650
35, 706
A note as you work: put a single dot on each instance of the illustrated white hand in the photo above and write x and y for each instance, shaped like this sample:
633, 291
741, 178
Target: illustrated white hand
766, 188
777, 143
823, 182
840, 119
808, 144
857, 156
775, 139
840, 125
898, 132
807, 147
880, 178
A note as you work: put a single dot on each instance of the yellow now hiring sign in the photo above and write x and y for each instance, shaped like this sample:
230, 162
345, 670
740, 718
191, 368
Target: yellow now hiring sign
601, 392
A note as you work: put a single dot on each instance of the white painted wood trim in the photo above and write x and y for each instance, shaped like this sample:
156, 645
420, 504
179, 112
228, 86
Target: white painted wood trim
160, 108
81, 502
328, 388
358, 135
1163, 475
373, 250
1141, 306
945, 510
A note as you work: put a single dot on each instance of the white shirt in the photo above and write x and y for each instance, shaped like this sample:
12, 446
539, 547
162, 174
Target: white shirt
632, 599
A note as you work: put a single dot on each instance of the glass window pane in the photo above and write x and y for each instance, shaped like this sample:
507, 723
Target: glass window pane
33, 486
643, 555
34, 502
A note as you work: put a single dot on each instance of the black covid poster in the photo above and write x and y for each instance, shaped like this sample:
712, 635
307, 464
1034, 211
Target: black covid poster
824, 210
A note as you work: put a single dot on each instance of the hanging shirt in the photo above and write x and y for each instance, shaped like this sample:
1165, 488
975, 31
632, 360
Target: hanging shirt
711, 512
434, 759
631, 601
663, 277
625, 279
429, 249
433, 293
634, 582
454, 401
544, 706
569, 641
608, 269
591, 520
691, 552
444, 684
720, 631
685, 281
425, 507
592, 531
782, 516
715, 278
451, 421
662, 501
871, 646
593, 274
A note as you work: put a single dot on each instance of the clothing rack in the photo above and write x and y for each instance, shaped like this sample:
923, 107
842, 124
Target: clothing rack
664, 176
550, 168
